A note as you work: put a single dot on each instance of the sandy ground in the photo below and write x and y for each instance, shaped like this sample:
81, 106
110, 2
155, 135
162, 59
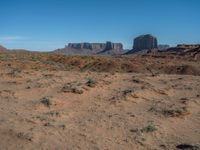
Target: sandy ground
72, 110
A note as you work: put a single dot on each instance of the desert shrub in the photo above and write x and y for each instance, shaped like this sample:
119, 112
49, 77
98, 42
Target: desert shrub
149, 128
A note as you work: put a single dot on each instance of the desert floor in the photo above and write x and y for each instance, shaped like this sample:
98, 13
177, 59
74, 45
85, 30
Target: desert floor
69, 110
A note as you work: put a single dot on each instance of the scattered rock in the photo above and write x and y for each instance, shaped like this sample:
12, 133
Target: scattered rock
175, 112
14, 72
91, 83
46, 101
73, 88
28, 136
134, 130
77, 90
54, 114
137, 81
63, 126
48, 124
127, 92
184, 100
28, 87
187, 147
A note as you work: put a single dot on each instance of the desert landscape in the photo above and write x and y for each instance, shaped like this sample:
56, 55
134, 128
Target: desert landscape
99, 75
142, 101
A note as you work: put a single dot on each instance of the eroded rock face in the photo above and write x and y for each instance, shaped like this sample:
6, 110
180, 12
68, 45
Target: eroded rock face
192, 50
110, 46
145, 42
101, 46
107, 48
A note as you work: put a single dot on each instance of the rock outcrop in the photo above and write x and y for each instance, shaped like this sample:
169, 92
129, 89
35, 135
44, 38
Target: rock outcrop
183, 49
107, 48
188, 51
145, 42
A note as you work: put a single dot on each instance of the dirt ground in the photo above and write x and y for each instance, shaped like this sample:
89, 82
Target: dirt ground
69, 109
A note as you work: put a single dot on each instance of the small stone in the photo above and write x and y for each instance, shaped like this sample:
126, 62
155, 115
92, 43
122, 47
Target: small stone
91, 83
187, 147
46, 101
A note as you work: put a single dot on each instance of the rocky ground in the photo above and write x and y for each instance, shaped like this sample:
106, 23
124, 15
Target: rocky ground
137, 103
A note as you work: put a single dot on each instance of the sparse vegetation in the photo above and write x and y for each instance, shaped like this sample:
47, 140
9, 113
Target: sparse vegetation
73, 88
175, 112
15, 72
149, 128
25, 135
53, 104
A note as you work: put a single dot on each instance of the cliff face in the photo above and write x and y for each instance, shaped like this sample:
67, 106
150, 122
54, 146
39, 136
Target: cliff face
95, 46
113, 46
92, 48
145, 42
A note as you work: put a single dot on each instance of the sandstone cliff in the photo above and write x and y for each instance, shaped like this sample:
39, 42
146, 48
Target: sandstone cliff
107, 48
144, 43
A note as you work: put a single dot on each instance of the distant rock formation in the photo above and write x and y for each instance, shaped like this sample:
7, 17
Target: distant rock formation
113, 46
192, 50
96, 46
90, 46
107, 48
188, 46
184, 49
3, 49
145, 42
163, 46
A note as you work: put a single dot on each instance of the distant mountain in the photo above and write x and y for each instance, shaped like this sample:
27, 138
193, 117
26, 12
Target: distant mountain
20, 50
107, 48
3, 49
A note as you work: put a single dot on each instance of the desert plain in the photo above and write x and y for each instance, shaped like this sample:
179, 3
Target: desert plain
54, 102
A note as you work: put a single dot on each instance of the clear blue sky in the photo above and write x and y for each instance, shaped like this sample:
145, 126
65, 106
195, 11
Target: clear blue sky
50, 24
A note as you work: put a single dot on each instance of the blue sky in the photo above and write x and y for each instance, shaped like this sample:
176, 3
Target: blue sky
50, 24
